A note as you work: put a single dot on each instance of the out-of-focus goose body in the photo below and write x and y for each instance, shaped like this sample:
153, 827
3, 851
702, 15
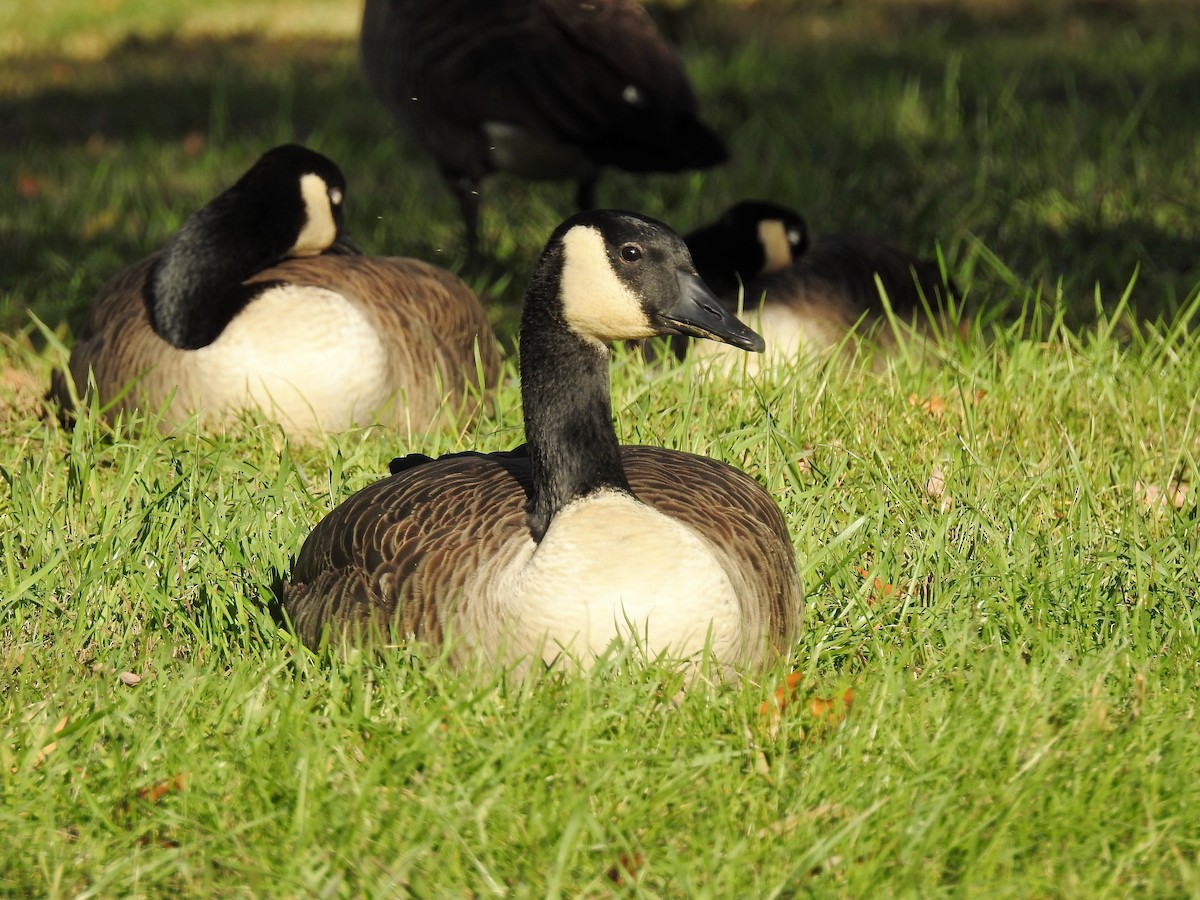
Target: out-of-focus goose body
813, 296
259, 303
573, 541
544, 89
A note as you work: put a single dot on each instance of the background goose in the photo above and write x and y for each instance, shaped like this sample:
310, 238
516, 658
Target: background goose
809, 295
258, 301
572, 541
547, 89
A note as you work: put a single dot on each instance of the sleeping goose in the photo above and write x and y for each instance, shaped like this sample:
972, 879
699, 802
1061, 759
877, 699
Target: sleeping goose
572, 541
545, 89
259, 302
808, 296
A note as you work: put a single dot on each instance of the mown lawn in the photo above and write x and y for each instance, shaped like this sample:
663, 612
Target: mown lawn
999, 551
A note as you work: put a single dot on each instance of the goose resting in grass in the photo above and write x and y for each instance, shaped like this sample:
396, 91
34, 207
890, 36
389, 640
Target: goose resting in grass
259, 302
544, 89
572, 541
813, 296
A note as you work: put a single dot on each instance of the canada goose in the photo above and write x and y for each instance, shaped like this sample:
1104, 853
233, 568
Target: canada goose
571, 541
545, 89
810, 295
258, 301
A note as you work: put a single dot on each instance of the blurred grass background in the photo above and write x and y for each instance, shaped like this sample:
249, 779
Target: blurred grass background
1050, 149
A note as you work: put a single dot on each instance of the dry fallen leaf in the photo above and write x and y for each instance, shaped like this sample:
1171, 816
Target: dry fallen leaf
47, 749
935, 487
784, 694
934, 406
973, 398
194, 143
625, 869
1151, 495
28, 187
98, 224
829, 708
158, 790
21, 393
825, 811
880, 589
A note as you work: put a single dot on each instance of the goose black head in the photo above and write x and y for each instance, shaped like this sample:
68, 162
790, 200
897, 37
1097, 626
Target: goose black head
297, 196
623, 276
751, 238
289, 203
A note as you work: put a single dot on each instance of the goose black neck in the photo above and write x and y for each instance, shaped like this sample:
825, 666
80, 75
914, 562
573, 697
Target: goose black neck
196, 286
565, 396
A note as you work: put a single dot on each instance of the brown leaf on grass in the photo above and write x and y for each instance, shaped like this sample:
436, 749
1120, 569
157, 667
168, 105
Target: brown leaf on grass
160, 789
827, 710
20, 392
935, 486
784, 694
46, 749
28, 187
164, 843
880, 589
1151, 496
625, 870
19, 379
194, 143
935, 406
1139, 696
832, 710
98, 224
788, 824
973, 398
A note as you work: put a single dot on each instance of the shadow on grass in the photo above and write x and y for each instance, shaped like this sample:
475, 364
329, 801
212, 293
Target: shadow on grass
939, 123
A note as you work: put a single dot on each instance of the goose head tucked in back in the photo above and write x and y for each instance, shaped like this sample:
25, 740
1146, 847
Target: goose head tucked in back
576, 541
814, 295
289, 204
750, 239
260, 302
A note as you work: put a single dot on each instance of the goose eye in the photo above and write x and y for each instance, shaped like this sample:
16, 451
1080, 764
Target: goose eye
631, 253
335, 196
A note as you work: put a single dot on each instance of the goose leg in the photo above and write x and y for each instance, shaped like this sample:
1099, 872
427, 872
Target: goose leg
466, 189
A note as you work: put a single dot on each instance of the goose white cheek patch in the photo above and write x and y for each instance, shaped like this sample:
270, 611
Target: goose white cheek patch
777, 250
319, 229
596, 303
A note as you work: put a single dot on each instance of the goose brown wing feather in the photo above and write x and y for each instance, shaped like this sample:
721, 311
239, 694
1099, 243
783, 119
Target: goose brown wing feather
428, 320
116, 341
845, 267
396, 553
740, 520
396, 556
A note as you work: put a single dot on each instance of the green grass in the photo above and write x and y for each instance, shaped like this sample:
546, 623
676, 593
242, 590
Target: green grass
1021, 643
